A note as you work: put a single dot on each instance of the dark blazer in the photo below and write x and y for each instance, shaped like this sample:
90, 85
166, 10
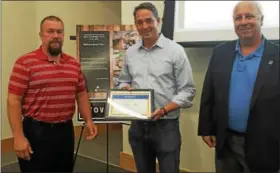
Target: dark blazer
262, 144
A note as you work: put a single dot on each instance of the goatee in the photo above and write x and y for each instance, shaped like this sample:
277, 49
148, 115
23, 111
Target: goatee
54, 51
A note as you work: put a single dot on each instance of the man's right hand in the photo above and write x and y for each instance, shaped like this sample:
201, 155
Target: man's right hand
210, 140
127, 87
22, 147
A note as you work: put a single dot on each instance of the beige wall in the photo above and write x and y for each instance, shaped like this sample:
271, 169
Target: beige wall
18, 37
195, 156
20, 28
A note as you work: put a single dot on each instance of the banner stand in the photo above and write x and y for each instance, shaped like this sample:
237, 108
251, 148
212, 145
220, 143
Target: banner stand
101, 52
107, 140
76, 153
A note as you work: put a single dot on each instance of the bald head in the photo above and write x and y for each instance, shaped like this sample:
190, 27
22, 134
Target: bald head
253, 5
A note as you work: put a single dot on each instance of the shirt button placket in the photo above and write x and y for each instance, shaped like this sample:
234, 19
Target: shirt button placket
149, 66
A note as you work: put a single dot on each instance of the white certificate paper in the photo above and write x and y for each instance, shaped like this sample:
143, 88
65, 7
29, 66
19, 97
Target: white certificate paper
136, 104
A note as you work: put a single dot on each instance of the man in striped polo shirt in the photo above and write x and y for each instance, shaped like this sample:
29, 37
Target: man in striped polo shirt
43, 87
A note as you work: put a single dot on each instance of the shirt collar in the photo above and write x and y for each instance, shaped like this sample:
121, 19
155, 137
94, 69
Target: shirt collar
159, 42
43, 56
257, 52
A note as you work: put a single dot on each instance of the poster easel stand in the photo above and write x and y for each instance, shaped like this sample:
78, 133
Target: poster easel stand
76, 153
107, 146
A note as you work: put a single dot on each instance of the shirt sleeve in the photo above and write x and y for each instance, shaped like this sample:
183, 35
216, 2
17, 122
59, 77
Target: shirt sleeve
81, 81
124, 77
184, 80
19, 78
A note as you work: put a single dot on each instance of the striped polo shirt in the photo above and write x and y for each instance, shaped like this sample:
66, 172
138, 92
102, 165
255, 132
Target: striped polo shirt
48, 89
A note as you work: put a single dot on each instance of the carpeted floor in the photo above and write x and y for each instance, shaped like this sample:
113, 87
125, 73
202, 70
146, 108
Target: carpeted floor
83, 164
92, 155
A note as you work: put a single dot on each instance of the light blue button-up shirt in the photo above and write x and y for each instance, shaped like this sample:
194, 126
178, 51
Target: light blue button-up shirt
164, 68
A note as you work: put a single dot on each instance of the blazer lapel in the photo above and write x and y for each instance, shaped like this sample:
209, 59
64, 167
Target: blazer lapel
228, 65
264, 69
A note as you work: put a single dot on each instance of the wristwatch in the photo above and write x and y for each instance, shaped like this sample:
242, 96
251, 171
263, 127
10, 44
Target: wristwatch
164, 111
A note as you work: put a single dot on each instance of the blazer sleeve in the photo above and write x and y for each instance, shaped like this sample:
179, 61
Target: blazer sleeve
205, 123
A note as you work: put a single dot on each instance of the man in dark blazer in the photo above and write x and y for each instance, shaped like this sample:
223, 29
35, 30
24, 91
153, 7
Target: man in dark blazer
240, 102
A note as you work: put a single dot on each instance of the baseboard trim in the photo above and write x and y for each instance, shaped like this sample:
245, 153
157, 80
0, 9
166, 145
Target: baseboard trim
127, 162
7, 145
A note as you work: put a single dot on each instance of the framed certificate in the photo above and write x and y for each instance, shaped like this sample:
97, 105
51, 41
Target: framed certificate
130, 105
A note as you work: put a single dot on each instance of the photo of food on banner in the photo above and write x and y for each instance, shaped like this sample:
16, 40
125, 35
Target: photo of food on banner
122, 40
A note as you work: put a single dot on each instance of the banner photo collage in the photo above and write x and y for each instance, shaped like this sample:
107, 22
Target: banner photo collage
100, 51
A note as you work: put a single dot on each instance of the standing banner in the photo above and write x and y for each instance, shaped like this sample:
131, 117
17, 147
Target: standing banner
100, 51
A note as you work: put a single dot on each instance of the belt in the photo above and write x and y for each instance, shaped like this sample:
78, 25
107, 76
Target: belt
151, 122
236, 133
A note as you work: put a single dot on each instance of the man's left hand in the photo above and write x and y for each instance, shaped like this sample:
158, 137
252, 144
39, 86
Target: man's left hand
92, 128
157, 114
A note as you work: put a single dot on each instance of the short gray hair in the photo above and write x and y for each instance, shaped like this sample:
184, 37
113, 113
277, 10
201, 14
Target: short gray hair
51, 18
257, 5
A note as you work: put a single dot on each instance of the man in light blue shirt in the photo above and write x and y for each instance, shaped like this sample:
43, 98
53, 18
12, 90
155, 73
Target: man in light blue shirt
160, 64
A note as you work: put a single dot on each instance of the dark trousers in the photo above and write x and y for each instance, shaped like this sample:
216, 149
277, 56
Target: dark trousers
52, 145
233, 159
159, 139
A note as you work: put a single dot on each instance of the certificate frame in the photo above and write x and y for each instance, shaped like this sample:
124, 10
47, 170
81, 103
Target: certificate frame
135, 104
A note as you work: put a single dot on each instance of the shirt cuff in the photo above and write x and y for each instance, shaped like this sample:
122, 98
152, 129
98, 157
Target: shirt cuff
182, 104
